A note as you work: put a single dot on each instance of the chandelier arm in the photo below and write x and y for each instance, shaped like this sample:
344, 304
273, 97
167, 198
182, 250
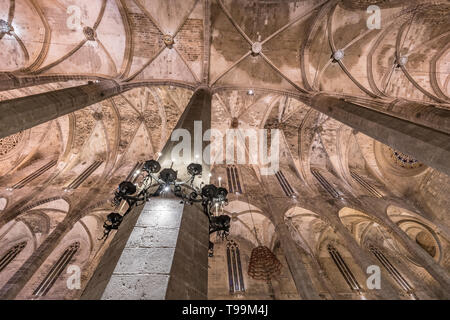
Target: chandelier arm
209, 195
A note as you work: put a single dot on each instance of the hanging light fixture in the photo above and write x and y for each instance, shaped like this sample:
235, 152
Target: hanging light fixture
209, 195
263, 265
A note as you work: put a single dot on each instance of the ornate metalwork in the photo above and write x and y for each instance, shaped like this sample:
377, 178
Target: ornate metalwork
209, 196
264, 265
9, 143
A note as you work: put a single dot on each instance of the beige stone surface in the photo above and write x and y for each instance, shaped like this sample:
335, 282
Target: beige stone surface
90, 88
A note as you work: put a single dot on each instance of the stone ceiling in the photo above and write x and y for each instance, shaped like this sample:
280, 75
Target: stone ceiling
274, 45
282, 50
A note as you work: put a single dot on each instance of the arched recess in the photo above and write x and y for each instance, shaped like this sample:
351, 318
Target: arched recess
250, 227
55, 208
12, 234
33, 159
395, 262
11, 150
93, 225
59, 289
32, 227
426, 234
396, 171
338, 142
313, 235
245, 217
359, 170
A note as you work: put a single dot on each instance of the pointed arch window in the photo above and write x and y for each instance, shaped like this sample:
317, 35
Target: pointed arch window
234, 182
9, 256
84, 175
35, 174
401, 281
56, 270
235, 276
324, 183
365, 184
284, 183
343, 268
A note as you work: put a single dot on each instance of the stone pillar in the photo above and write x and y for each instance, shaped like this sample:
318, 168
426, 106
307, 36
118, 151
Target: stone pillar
424, 259
298, 271
9, 81
189, 272
161, 253
16, 283
363, 259
26, 112
197, 111
310, 260
417, 137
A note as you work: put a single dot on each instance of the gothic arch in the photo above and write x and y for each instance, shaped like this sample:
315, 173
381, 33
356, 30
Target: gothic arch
422, 231
59, 290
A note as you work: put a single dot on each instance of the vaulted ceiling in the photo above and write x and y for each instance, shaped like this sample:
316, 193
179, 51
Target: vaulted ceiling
281, 50
275, 45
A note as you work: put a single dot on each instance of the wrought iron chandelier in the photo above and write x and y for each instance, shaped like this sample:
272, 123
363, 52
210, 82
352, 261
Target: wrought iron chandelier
263, 265
154, 185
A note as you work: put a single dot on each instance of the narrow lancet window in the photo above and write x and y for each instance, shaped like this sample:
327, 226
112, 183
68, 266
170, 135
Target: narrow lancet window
365, 184
284, 183
324, 183
9, 256
401, 281
56, 270
235, 276
344, 269
84, 175
234, 182
35, 174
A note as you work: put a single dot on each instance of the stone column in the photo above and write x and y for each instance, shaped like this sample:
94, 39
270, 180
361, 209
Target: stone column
298, 271
424, 259
9, 81
161, 252
426, 136
198, 111
26, 112
311, 260
363, 259
189, 272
